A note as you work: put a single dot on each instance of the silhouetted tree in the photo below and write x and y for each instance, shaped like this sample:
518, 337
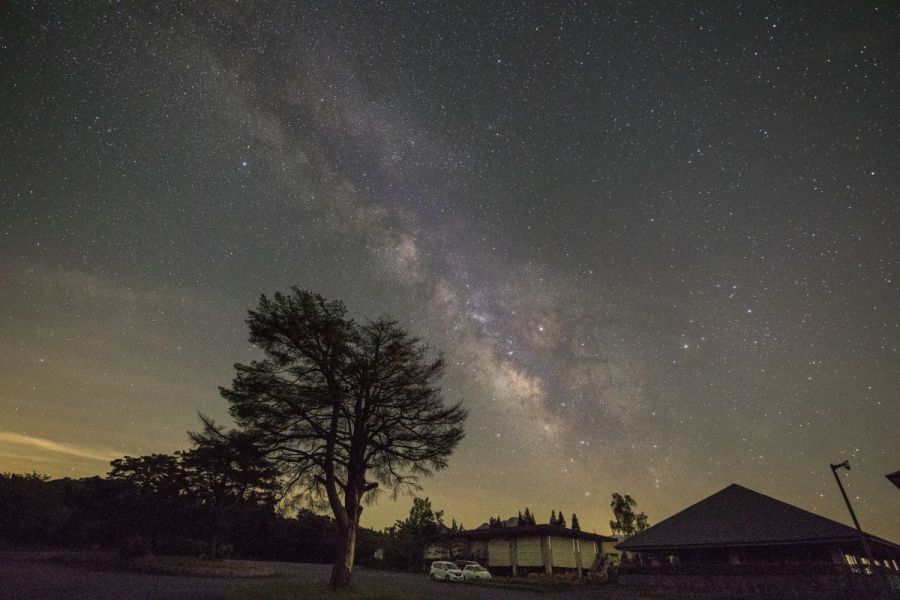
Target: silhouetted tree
575, 524
154, 473
31, 509
553, 518
224, 470
422, 521
335, 402
528, 518
626, 522
409, 537
560, 520
156, 497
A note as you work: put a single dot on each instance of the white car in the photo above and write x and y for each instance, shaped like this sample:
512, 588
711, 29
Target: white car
475, 572
442, 570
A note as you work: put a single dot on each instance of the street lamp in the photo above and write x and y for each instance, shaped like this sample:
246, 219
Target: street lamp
862, 536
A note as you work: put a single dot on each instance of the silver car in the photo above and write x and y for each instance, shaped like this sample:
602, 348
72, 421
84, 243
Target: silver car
442, 570
475, 572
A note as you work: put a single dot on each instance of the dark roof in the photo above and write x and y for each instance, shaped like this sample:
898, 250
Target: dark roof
511, 532
894, 478
737, 516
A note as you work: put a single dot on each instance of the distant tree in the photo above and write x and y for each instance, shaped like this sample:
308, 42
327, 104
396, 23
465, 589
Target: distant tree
223, 471
335, 402
156, 497
423, 521
560, 520
528, 517
641, 522
408, 538
553, 518
154, 473
575, 524
32, 510
626, 522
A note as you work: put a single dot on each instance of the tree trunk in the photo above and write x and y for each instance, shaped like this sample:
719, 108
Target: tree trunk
343, 560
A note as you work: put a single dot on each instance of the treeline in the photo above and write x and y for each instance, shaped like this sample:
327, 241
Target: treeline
149, 505
117, 514
218, 499
527, 519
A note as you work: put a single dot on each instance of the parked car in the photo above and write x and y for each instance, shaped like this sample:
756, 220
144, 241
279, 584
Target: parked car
462, 564
475, 572
442, 570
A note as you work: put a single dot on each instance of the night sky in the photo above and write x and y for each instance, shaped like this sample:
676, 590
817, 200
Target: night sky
657, 242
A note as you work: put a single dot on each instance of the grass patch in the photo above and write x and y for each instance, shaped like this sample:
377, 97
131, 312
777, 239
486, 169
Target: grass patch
199, 567
534, 584
187, 566
291, 589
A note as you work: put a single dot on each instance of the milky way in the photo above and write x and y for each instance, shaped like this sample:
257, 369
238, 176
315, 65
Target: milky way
657, 245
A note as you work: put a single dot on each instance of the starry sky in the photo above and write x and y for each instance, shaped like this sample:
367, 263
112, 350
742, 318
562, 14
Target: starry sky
656, 242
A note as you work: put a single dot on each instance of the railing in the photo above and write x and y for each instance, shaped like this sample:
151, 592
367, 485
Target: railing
727, 569
814, 580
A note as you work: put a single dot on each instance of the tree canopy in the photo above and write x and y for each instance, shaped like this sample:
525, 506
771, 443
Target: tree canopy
422, 521
626, 522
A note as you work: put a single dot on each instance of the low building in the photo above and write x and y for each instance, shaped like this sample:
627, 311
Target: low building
518, 551
739, 540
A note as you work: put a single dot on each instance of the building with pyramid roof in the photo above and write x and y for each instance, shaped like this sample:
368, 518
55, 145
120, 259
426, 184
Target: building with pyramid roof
894, 478
741, 533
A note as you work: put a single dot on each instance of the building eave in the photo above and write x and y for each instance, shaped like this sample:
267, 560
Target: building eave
534, 530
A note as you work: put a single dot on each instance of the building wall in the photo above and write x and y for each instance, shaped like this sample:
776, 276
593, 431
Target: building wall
529, 552
609, 549
478, 549
588, 552
563, 552
771, 584
498, 553
434, 552
447, 550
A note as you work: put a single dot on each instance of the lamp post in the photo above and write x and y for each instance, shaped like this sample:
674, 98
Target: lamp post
862, 536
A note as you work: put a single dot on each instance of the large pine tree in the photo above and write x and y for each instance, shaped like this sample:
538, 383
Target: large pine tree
341, 407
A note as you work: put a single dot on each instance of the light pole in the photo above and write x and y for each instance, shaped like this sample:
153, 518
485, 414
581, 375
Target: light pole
862, 536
